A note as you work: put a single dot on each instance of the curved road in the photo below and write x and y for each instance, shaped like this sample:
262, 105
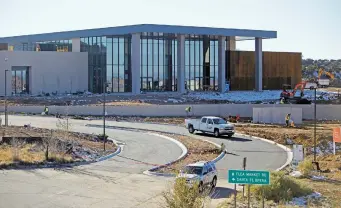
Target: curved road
260, 155
118, 182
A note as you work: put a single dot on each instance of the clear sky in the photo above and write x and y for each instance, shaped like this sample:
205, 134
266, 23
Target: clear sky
312, 27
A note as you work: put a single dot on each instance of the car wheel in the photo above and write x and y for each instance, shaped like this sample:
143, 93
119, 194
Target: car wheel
191, 129
229, 135
214, 182
216, 133
201, 187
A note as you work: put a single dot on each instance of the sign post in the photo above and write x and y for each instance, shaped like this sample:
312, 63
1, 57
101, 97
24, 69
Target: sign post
249, 177
336, 137
253, 177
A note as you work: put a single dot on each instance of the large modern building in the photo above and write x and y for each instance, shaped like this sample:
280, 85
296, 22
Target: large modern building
143, 58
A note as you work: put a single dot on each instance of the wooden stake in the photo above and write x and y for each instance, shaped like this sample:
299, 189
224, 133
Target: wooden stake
248, 196
235, 195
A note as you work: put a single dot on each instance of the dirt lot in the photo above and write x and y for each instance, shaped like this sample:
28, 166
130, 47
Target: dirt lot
115, 100
198, 150
161, 98
28, 145
333, 89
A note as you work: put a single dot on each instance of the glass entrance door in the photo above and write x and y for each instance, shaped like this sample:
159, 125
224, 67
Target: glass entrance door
20, 80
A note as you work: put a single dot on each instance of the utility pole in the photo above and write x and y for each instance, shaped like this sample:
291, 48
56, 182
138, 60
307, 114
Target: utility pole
6, 114
314, 124
104, 137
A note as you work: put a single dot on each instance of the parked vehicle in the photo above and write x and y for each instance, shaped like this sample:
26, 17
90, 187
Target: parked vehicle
211, 125
324, 77
203, 172
311, 85
323, 82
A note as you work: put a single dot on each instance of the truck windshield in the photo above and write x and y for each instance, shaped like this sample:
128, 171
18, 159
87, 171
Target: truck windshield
193, 170
219, 121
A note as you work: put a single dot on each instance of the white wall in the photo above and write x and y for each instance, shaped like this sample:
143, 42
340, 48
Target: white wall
49, 71
323, 112
273, 115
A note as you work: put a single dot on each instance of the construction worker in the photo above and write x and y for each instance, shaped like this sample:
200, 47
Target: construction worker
188, 110
287, 119
46, 110
281, 101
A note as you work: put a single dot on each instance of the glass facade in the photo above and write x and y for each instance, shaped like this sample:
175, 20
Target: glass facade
109, 63
58, 45
158, 62
201, 63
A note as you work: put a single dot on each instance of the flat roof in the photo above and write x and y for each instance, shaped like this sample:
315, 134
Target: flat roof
129, 29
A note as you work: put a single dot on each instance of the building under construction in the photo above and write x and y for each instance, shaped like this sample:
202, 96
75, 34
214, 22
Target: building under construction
144, 58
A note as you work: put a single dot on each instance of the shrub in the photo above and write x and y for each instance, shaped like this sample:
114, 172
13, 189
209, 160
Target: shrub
101, 137
306, 167
282, 188
183, 196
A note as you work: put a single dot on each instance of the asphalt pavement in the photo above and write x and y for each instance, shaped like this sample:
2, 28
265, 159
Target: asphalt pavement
119, 182
259, 155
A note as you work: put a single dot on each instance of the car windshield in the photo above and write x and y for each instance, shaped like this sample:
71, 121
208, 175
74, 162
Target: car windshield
219, 121
193, 170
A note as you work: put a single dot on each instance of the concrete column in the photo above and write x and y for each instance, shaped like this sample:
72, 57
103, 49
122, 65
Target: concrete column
76, 45
231, 43
259, 65
181, 64
221, 64
136, 63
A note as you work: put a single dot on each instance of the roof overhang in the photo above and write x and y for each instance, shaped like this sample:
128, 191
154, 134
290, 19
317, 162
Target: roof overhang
130, 29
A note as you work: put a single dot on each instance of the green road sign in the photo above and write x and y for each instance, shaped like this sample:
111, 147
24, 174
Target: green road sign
249, 177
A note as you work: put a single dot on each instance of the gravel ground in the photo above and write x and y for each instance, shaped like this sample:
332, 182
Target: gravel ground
83, 146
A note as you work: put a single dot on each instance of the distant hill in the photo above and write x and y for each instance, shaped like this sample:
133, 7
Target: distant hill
310, 69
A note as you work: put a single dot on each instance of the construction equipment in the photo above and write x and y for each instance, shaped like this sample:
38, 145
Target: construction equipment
289, 96
324, 82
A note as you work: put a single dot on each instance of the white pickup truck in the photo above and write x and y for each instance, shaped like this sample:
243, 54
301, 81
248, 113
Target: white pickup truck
211, 125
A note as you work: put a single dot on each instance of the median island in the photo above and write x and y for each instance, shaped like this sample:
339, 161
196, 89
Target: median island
29, 146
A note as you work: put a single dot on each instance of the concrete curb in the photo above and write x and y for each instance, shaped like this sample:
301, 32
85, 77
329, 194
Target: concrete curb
183, 155
286, 149
222, 154
118, 151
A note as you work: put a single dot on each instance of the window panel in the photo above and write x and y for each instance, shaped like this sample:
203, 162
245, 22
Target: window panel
144, 55
150, 53
192, 53
115, 53
155, 53
109, 78
109, 53
161, 53
121, 78
115, 78
150, 71
216, 53
187, 54
144, 71
197, 53
121, 51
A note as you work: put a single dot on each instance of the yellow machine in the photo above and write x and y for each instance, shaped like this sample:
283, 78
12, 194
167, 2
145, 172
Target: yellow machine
330, 75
